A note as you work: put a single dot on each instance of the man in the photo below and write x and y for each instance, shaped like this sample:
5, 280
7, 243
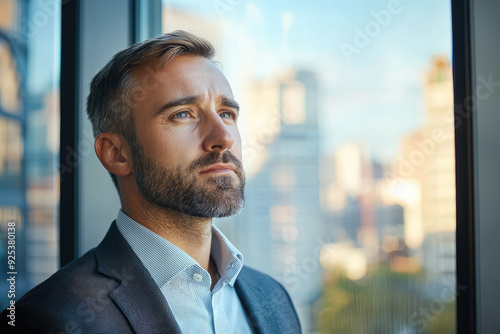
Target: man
165, 122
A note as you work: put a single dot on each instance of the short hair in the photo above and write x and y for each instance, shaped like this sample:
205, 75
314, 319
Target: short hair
114, 92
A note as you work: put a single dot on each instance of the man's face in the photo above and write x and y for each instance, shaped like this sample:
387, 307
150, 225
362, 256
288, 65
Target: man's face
187, 151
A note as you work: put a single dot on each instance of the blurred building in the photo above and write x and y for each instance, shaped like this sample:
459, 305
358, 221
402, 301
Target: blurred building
349, 197
422, 178
29, 143
410, 211
174, 18
403, 186
42, 150
282, 220
13, 200
438, 185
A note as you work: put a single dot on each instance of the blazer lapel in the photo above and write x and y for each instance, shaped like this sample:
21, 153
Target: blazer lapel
260, 312
137, 296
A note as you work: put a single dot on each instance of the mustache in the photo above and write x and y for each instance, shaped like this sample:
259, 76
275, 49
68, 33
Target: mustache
216, 157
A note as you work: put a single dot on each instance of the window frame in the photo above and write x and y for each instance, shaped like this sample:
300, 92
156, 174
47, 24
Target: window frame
467, 257
465, 253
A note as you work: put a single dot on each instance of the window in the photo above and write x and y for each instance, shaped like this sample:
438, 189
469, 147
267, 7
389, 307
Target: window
29, 140
348, 135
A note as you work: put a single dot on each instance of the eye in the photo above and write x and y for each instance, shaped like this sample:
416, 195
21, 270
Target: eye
228, 114
182, 114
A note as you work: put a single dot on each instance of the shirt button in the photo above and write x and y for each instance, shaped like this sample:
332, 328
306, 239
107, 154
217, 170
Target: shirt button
215, 313
197, 277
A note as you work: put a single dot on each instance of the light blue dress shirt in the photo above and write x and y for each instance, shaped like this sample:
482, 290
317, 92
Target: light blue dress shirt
186, 285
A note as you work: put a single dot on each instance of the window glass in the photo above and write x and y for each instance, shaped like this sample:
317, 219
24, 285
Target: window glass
11, 154
347, 127
29, 142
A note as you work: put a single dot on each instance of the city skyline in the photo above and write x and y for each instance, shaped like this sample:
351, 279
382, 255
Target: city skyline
378, 90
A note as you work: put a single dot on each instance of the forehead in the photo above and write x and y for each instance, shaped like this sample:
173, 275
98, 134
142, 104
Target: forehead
185, 75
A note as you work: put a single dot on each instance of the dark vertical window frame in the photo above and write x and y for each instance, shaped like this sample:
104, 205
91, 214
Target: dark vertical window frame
134, 6
68, 207
146, 19
465, 254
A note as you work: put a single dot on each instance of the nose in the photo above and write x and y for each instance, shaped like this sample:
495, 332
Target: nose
217, 134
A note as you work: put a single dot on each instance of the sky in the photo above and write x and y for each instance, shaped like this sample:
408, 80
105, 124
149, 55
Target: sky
43, 31
371, 88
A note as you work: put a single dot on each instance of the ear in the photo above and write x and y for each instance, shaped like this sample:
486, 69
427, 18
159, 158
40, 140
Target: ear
113, 152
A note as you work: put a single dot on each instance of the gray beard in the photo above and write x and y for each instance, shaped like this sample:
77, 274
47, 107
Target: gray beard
186, 192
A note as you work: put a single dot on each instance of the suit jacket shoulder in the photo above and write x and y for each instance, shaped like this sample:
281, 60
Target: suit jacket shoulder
267, 303
108, 290
73, 300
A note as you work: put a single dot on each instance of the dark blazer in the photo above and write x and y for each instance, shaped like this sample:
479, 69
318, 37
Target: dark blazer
108, 290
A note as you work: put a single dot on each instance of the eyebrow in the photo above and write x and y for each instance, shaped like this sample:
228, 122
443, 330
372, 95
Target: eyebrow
224, 100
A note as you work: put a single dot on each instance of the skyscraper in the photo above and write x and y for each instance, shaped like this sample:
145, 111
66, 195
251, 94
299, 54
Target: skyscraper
282, 221
438, 185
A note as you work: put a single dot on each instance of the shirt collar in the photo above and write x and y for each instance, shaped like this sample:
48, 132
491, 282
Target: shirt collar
228, 258
164, 260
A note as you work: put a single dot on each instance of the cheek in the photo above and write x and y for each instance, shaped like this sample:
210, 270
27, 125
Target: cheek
176, 149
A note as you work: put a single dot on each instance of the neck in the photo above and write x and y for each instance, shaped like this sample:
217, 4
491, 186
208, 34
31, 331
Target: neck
191, 234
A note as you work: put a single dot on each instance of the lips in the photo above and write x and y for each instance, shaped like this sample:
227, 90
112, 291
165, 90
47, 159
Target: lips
219, 168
